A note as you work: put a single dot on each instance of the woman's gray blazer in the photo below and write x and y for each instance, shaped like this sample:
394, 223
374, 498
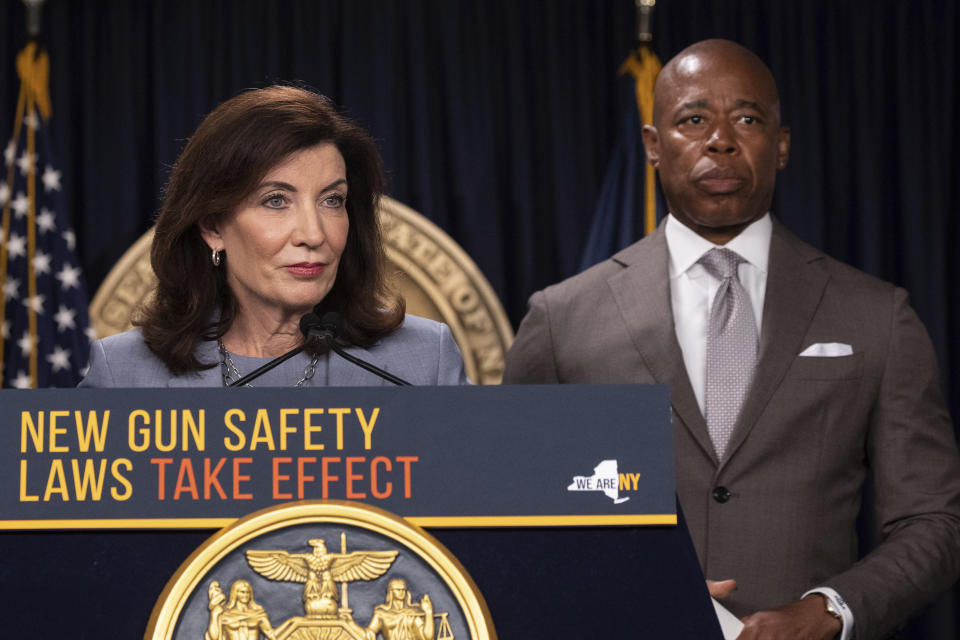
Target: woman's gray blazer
421, 352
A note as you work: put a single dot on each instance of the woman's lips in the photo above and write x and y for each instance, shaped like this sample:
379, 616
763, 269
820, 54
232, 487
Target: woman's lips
306, 269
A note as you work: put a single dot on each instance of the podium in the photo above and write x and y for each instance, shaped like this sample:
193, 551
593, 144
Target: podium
510, 479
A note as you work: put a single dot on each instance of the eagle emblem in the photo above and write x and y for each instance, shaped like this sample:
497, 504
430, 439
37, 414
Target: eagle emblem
319, 571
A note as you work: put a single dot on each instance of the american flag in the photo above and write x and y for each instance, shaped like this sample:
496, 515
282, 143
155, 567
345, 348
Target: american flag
44, 319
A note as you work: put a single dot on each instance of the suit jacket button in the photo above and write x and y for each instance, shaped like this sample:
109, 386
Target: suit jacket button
721, 494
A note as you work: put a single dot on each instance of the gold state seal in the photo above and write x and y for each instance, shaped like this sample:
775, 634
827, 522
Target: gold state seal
363, 593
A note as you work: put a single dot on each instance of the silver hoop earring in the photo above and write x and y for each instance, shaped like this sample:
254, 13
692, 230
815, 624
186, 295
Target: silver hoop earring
215, 256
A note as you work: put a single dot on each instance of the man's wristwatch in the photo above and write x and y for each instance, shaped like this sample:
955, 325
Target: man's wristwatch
831, 609
835, 607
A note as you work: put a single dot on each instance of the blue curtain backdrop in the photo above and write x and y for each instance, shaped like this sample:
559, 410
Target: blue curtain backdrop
497, 118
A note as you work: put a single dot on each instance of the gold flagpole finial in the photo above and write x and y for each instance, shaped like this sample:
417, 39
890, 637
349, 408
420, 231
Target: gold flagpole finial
644, 14
34, 18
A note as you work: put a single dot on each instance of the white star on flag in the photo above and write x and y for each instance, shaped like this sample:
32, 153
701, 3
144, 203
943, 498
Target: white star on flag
35, 302
71, 239
69, 276
31, 120
51, 179
25, 162
17, 247
4, 193
91, 333
45, 221
11, 288
65, 318
10, 152
21, 204
22, 381
26, 344
41, 262
59, 359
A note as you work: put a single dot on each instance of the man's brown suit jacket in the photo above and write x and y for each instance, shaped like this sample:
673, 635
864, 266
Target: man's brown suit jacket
779, 512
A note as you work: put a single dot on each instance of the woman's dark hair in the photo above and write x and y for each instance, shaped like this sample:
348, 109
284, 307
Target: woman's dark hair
225, 160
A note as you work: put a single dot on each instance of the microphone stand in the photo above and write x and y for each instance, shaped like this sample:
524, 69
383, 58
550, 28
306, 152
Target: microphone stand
316, 329
270, 365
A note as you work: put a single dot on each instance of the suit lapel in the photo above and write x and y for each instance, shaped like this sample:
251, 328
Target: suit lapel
642, 293
795, 285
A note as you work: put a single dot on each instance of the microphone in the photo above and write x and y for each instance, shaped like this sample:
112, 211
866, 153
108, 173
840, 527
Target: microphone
326, 328
306, 325
316, 328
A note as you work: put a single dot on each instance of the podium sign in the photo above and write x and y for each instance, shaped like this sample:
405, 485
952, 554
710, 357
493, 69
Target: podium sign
440, 457
504, 477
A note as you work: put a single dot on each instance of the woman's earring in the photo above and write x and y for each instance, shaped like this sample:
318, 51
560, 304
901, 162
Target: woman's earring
215, 257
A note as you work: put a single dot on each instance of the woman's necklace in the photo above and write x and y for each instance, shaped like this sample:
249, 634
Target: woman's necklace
230, 374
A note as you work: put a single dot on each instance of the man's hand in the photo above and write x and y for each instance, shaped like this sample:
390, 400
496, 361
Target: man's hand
806, 619
721, 588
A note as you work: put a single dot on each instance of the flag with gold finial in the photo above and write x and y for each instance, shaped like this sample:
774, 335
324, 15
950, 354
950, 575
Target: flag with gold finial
44, 320
627, 207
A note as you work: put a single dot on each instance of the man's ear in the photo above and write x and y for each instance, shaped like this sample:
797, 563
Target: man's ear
783, 147
210, 233
651, 144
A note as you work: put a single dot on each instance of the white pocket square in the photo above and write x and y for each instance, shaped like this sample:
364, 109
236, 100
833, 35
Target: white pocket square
828, 350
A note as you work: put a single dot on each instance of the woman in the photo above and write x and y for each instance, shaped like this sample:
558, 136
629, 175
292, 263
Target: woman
399, 618
240, 619
270, 210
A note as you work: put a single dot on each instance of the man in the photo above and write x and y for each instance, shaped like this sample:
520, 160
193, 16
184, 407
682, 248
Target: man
790, 374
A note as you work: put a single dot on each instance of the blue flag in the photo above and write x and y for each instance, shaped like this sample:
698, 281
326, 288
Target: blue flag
45, 323
627, 209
